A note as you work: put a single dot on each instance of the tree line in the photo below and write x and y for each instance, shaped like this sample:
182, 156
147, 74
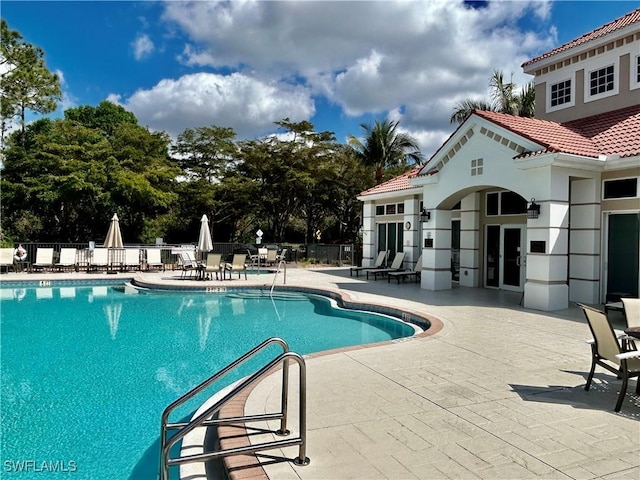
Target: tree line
62, 179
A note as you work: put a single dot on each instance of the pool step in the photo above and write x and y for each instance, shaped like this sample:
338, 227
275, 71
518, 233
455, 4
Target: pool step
275, 295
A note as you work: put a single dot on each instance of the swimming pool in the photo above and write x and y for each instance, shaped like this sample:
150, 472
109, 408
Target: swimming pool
88, 369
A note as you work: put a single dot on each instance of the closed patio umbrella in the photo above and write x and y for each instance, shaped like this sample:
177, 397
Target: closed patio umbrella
114, 237
205, 244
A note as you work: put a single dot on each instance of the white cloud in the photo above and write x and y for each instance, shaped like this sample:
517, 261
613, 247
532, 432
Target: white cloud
248, 105
367, 57
142, 47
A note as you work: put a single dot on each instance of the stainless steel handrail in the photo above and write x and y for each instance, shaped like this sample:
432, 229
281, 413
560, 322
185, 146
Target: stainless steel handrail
204, 419
280, 263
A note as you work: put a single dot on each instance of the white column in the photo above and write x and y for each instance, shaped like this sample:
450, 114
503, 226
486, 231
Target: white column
470, 241
546, 287
584, 241
411, 245
369, 253
436, 251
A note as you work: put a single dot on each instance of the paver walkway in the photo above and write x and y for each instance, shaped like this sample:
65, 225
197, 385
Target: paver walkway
497, 393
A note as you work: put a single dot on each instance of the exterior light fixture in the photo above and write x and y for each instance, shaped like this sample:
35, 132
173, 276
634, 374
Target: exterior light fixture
425, 216
533, 210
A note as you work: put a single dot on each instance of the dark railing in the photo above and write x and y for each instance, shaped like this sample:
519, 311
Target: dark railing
330, 254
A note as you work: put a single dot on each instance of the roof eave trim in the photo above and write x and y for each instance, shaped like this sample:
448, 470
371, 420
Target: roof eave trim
393, 194
583, 47
623, 163
559, 159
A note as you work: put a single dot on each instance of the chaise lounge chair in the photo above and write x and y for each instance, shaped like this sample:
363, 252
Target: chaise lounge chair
67, 259
631, 309
380, 260
44, 259
131, 259
213, 265
154, 259
189, 264
407, 273
237, 265
607, 352
99, 259
6, 259
396, 266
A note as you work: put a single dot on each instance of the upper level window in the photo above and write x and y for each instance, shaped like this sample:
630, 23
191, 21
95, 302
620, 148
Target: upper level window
379, 209
638, 69
391, 209
622, 188
601, 81
561, 93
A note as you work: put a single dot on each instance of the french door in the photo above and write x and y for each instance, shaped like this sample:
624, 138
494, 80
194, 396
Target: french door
623, 254
505, 257
390, 237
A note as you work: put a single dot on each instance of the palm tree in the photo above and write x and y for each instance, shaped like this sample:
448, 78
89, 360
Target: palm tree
503, 100
383, 147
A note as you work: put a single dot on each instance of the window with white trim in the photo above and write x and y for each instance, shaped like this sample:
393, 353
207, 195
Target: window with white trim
476, 167
561, 93
390, 209
601, 81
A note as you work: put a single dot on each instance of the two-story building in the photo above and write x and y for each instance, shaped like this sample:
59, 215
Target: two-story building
547, 206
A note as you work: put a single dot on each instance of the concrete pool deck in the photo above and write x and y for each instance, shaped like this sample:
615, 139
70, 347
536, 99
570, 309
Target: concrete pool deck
497, 393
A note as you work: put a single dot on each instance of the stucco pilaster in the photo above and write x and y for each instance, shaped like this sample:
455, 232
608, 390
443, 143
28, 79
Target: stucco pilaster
368, 234
584, 241
470, 241
546, 287
436, 251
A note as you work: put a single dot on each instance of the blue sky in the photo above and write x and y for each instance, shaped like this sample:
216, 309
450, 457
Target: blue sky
246, 64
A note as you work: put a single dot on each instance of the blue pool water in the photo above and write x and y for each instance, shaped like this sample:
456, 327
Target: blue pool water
87, 370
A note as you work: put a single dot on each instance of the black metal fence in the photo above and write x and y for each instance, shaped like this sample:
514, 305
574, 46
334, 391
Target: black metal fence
314, 253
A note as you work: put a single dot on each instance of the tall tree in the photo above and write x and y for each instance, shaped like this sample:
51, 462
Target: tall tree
504, 99
25, 82
205, 152
66, 180
384, 147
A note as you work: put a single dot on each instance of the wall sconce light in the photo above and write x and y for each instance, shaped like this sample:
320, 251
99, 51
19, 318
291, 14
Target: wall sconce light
425, 216
533, 210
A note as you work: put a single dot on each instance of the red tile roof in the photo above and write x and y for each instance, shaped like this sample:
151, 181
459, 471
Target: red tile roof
618, 24
611, 133
401, 182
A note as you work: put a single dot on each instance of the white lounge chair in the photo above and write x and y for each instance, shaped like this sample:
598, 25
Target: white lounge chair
44, 259
6, 258
380, 260
131, 259
154, 259
214, 265
396, 266
415, 273
190, 264
237, 265
99, 259
67, 259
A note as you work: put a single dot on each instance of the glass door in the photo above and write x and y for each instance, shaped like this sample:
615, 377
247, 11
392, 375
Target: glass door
504, 257
512, 258
623, 254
